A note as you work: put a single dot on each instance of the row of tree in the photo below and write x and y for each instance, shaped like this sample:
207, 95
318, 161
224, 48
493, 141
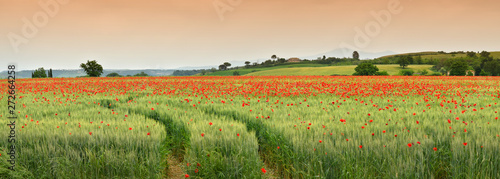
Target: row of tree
41, 73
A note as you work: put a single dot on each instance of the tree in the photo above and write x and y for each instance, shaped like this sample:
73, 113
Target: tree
419, 60
50, 73
92, 68
471, 54
114, 74
484, 54
281, 60
222, 67
247, 64
355, 55
365, 69
39, 73
405, 61
213, 69
204, 72
492, 67
274, 57
459, 68
141, 74
227, 64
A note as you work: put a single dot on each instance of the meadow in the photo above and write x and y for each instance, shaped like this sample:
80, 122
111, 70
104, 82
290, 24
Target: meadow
256, 127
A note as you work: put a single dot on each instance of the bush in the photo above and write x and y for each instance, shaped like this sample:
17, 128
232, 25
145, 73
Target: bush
483, 73
406, 72
423, 72
382, 73
236, 73
435, 74
365, 69
469, 73
114, 74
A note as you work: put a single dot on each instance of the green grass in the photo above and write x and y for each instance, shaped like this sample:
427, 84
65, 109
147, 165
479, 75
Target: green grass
332, 70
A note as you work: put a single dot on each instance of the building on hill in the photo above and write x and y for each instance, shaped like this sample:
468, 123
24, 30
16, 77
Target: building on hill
293, 60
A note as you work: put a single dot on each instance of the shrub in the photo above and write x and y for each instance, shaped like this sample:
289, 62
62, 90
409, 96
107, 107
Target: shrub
406, 72
435, 74
382, 73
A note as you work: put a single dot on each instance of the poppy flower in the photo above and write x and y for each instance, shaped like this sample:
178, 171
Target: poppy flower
203, 134
465, 143
360, 146
187, 176
238, 134
320, 141
130, 128
148, 133
90, 133
210, 123
435, 149
409, 144
263, 170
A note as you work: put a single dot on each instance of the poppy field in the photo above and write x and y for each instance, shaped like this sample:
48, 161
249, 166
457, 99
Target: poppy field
255, 127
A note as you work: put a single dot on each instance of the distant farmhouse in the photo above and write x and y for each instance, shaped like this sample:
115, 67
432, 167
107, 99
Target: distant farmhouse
293, 60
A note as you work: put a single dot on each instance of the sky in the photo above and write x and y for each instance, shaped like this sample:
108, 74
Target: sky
168, 34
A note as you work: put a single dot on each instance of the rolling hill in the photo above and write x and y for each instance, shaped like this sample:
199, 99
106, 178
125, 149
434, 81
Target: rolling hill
331, 70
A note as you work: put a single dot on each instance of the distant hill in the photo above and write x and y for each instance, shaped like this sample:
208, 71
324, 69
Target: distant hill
438, 55
76, 73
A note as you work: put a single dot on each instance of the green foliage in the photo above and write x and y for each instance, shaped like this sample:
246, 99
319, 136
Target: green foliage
469, 73
114, 74
50, 73
142, 74
39, 73
365, 69
382, 73
423, 72
484, 73
406, 72
92, 68
435, 74
236, 73
355, 55
459, 68
404, 61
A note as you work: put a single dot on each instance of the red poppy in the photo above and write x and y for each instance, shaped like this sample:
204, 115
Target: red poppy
465, 143
203, 134
130, 128
90, 133
210, 123
435, 149
320, 141
263, 170
409, 144
360, 146
148, 133
187, 176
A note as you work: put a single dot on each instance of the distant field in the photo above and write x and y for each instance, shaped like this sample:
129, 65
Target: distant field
331, 70
244, 71
428, 55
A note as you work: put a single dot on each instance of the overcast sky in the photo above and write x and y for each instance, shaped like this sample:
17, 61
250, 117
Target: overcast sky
131, 34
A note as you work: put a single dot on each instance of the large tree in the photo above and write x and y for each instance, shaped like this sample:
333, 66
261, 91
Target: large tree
355, 55
404, 61
365, 69
459, 68
92, 68
227, 64
247, 64
39, 73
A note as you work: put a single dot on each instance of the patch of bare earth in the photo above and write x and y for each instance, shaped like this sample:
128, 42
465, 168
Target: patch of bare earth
175, 168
